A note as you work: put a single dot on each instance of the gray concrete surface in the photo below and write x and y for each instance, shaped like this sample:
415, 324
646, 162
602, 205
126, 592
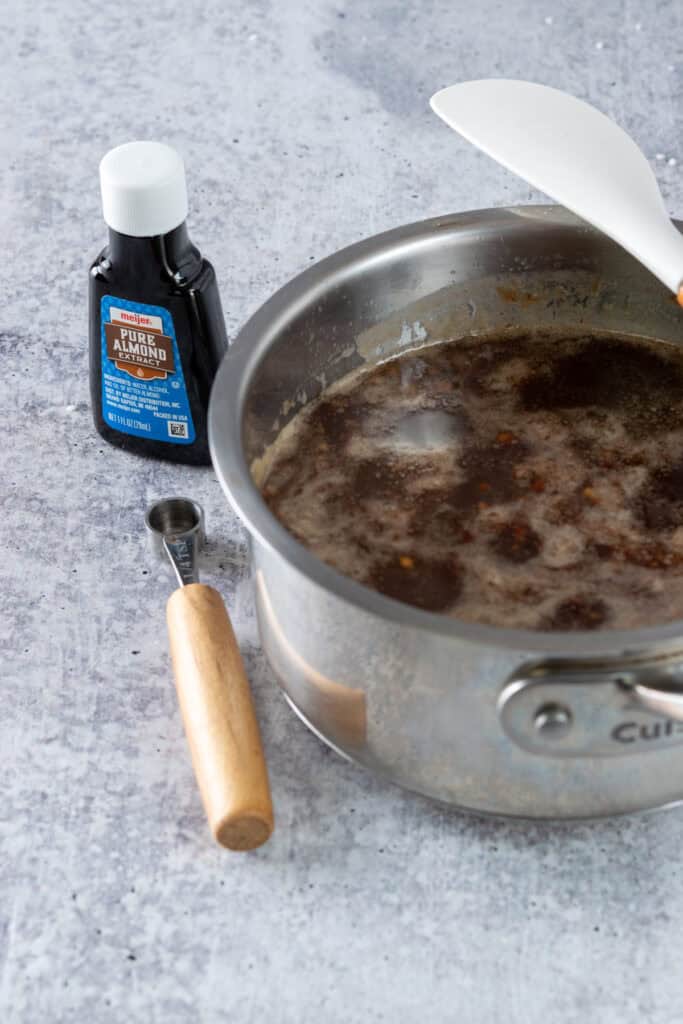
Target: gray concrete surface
305, 127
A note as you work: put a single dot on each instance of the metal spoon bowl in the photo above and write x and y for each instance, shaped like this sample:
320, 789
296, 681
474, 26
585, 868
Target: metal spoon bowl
176, 528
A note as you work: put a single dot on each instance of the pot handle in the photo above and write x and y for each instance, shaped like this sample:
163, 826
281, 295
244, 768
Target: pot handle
661, 700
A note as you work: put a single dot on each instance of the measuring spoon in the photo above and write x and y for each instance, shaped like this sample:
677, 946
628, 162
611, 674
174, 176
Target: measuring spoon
213, 691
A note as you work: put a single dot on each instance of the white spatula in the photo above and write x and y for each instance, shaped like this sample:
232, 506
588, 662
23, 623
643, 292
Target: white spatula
576, 155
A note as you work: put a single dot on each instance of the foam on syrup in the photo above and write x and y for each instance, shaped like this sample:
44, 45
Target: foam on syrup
533, 481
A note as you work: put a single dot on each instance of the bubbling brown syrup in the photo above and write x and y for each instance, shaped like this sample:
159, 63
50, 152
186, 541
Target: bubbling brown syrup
531, 481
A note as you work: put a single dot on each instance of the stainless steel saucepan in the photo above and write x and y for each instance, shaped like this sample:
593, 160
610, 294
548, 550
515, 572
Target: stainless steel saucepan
504, 721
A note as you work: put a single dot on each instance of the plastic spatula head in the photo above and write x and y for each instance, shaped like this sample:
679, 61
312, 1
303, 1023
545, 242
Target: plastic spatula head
573, 153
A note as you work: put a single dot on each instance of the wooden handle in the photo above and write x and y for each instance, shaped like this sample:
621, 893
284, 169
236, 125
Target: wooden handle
219, 718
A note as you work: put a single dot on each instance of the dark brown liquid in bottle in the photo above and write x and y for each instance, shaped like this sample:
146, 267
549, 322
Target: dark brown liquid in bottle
165, 271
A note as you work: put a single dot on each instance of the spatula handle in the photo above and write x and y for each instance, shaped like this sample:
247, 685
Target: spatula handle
219, 718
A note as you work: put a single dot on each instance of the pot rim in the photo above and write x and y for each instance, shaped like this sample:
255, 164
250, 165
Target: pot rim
225, 441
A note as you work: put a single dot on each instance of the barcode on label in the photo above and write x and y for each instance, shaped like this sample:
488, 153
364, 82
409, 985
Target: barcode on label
177, 428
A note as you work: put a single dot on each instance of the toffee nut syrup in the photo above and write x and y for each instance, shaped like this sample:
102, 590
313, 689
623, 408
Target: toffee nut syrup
531, 481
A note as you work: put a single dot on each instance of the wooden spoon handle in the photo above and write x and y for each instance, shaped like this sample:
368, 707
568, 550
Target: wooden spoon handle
219, 718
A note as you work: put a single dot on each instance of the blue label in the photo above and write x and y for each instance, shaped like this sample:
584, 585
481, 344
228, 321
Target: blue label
143, 387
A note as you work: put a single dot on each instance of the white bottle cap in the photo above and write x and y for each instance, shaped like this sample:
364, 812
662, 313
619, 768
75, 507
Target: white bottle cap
143, 189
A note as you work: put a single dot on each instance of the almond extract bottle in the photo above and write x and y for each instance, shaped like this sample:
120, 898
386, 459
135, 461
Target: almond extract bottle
157, 333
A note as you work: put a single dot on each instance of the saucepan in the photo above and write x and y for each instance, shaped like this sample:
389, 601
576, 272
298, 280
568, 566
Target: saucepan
498, 720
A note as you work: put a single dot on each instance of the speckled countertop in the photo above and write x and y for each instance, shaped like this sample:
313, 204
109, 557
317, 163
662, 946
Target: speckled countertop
304, 126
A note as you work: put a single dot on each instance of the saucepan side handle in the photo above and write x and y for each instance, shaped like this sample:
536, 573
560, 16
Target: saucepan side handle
666, 701
595, 709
